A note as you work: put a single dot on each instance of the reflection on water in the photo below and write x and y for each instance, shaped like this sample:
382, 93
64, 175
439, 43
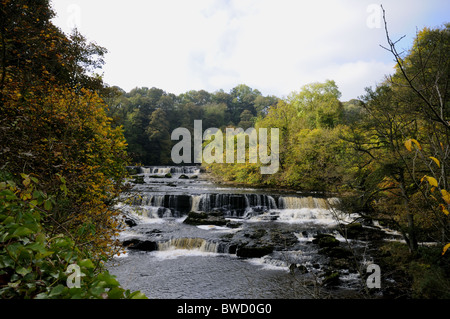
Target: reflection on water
191, 274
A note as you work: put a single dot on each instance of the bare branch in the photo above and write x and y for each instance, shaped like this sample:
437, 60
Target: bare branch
400, 63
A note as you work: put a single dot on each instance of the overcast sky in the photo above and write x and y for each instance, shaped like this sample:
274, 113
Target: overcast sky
275, 46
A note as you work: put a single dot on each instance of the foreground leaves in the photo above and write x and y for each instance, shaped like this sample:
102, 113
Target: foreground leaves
33, 263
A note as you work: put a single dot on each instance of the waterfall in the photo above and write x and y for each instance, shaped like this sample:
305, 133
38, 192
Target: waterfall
234, 205
145, 170
291, 202
195, 200
162, 170
189, 244
288, 208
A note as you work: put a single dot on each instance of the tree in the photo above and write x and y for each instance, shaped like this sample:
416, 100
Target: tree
263, 104
422, 77
159, 136
402, 141
243, 98
319, 104
214, 115
246, 119
54, 125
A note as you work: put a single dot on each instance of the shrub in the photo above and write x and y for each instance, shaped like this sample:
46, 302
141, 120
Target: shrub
33, 263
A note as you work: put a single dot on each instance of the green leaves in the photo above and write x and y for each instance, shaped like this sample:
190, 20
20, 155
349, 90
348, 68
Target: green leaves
33, 264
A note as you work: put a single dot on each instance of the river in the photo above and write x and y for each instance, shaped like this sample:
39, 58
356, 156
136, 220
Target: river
262, 248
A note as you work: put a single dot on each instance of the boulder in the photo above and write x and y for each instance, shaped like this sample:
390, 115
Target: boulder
358, 231
335, 252
138, 179
139, 244
202, 218
343, 263
325, 240
129, 219
232, 224
253, 251
296, 268
331, 279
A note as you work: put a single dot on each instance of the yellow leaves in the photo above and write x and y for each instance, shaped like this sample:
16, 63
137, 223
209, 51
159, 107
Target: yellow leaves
436, 161
431, 180
444, 209
445, 248
445, 196
408, 144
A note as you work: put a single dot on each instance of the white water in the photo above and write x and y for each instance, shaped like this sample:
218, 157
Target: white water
187, 262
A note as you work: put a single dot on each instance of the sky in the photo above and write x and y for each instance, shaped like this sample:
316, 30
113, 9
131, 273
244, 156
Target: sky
274, 46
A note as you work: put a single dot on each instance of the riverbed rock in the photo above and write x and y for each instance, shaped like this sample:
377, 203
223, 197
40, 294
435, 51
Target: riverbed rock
140, 244
129, 219
297, 268
138, 179
335, 252
360, 232
343, 263
253, 251
233, 224
283, 239
331, 279
325, 240
201, 218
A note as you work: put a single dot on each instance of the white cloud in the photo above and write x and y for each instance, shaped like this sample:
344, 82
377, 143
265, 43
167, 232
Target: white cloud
275, 46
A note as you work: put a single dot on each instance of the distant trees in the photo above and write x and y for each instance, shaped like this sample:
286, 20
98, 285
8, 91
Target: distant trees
311, 152
318, 104
148, 114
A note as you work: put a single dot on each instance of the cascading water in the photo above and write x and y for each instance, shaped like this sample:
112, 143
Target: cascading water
199, 244
240, 205
259, 222
169, 169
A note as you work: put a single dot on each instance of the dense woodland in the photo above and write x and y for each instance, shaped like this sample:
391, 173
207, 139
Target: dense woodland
66, 138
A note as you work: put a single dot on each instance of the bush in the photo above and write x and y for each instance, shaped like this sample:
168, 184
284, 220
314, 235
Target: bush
33, 264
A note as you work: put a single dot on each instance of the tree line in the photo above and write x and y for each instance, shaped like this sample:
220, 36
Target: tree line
149, 115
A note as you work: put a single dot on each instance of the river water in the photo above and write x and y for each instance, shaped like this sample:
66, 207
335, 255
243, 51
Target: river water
188, 261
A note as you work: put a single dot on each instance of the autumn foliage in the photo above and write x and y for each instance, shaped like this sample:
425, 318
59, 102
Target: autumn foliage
54, 127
